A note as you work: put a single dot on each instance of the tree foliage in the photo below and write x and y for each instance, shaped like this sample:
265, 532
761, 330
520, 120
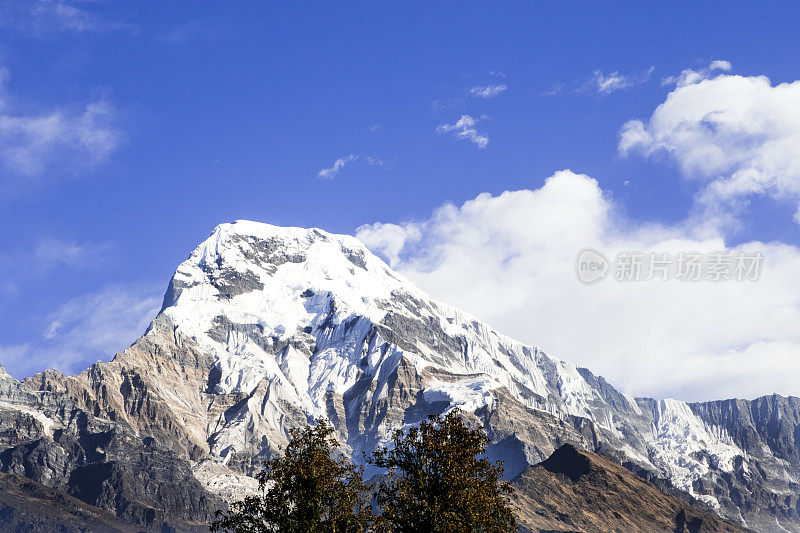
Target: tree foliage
311, 488
440, 481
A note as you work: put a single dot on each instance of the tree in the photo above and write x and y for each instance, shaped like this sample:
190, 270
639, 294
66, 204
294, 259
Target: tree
440, 481
311, 488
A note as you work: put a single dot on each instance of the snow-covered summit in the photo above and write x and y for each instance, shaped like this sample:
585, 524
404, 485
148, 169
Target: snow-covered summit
296, 304
252, 290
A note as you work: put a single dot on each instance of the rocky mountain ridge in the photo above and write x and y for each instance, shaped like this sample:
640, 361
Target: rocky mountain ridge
579, 491
266, 328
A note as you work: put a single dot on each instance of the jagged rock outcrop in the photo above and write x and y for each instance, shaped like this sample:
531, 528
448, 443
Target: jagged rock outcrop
264, 329
767, 485
49, 438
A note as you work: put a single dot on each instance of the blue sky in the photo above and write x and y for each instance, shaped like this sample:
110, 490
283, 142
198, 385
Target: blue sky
129, 130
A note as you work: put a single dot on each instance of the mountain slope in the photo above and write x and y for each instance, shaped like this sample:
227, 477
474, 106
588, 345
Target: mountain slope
28, 506
266, 328
92, 455
575, 490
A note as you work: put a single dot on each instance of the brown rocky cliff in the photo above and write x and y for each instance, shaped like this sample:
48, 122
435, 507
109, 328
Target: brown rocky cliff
579, 491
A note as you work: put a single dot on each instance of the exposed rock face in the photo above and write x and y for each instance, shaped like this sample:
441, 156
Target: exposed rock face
94, 456
579, 491
265, 328
767, 429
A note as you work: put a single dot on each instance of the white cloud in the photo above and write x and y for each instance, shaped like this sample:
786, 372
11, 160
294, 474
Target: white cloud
62, 16
720, 64
689, 76
607, 83
30, 145
510, 259
50, 253
464, 128
389, 240
339, 164
487, 91
738, 136
86, 329
554, 90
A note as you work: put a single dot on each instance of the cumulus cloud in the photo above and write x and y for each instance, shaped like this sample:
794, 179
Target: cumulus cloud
606, 84
735, 135
487, 91
86, 329
32, 144
464, 128
510, 259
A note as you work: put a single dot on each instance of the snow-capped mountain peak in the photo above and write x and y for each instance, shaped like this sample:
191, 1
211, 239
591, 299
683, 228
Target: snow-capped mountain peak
297, 306
261, 297
328, 326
